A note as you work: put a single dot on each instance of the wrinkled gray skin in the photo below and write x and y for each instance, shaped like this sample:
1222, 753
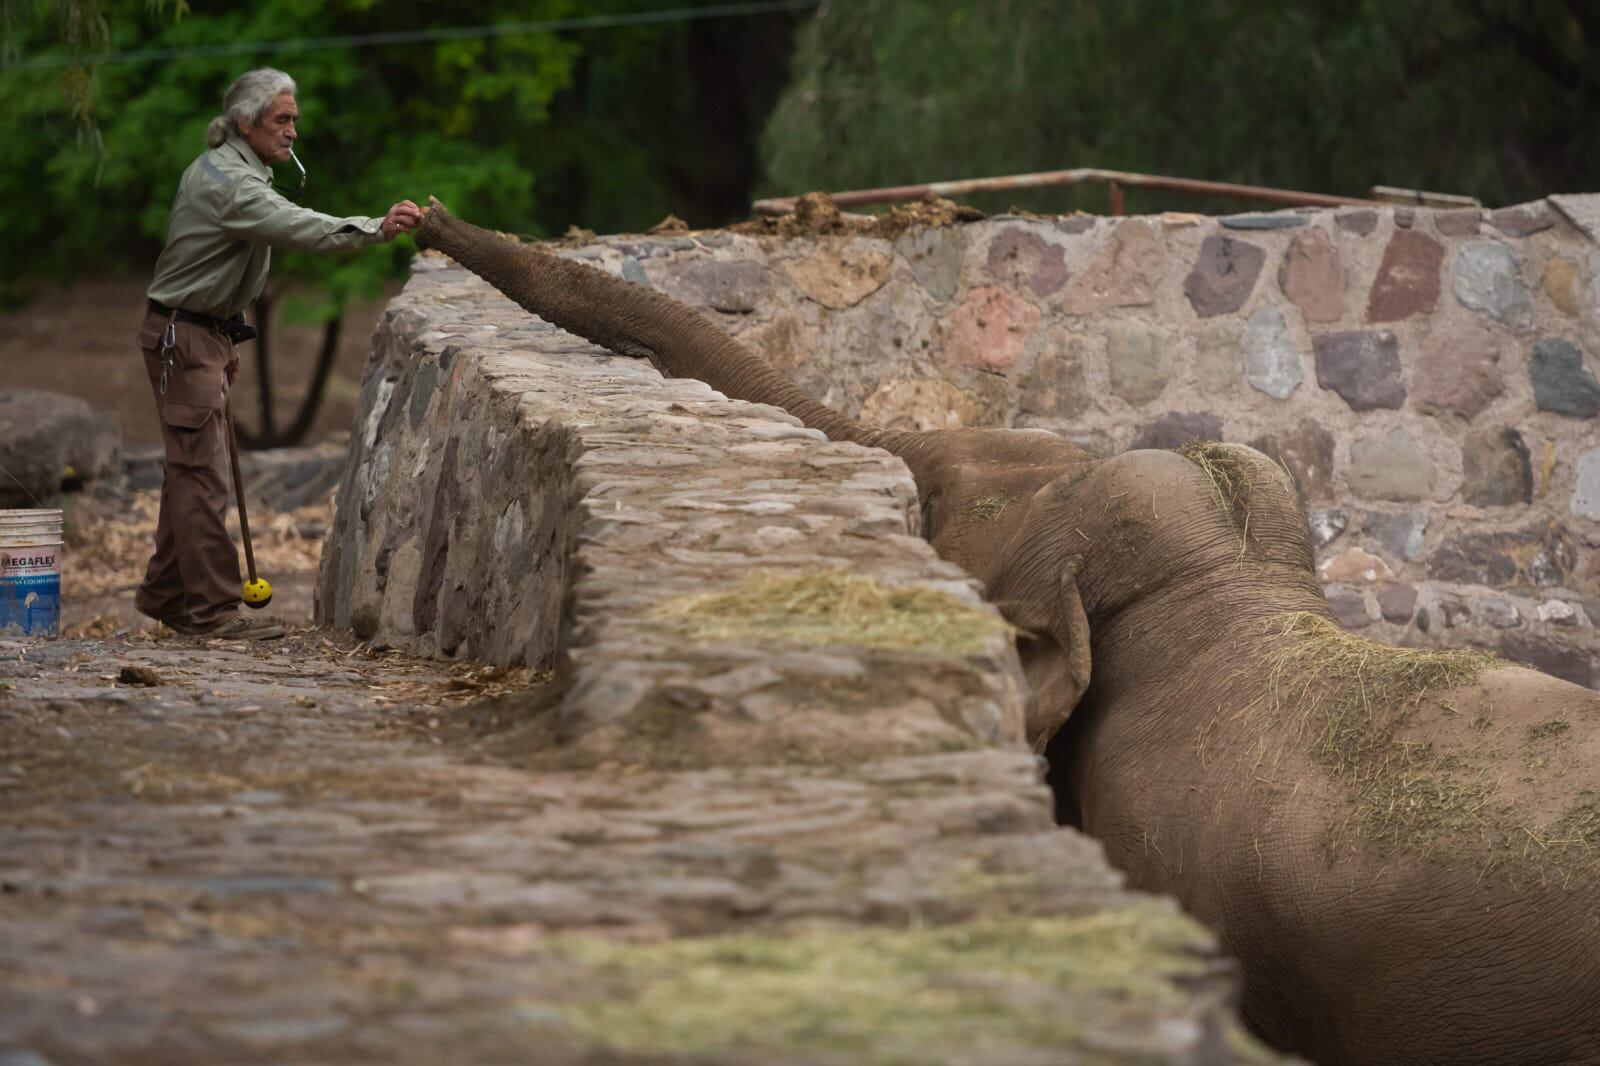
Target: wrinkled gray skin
1368, 932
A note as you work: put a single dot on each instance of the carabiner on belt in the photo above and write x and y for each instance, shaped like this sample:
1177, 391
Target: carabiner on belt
169, 346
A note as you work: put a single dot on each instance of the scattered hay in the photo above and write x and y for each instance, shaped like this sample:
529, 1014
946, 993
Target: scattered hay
833, 607
1352, 696
876, 995
988, 508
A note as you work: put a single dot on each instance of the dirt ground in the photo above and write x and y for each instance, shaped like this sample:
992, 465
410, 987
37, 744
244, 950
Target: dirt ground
79, 340
308, 851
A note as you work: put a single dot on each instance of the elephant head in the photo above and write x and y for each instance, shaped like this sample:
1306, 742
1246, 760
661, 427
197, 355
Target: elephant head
1402, 876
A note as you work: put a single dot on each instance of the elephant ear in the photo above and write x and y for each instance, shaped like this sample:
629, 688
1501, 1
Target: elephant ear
1053, 643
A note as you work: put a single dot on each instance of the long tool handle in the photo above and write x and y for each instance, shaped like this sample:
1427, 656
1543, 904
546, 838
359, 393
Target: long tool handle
238, 491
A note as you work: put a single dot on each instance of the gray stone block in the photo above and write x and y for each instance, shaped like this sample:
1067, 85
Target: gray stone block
1326, 525
1362, 366
1139, 358
1586, 491
1561, 382
1488, 278
1026, 262
935, 259
1496, 470
732, 287
1391, 467
1223, 277
1263, 221
1400, 536
1272, 362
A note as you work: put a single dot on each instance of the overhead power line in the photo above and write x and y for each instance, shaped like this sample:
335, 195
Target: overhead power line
446, 33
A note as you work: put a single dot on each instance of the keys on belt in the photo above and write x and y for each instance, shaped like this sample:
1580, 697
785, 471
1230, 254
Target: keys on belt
169, 349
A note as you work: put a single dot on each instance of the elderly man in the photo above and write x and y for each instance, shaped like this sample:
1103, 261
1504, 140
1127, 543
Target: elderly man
225, 221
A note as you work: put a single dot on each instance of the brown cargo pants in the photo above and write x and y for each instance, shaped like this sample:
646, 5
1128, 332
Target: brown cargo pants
193, 577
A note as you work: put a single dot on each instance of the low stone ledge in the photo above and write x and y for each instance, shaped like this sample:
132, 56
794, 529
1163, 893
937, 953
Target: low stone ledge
521, 498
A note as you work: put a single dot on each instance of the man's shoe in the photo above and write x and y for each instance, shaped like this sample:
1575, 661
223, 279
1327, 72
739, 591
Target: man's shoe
176, 623
241, 628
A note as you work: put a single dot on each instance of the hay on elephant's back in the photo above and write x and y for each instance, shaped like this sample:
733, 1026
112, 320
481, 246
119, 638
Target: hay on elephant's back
833, 607
1348, 699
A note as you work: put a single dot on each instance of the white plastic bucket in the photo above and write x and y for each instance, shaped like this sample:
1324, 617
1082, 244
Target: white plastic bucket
30, 574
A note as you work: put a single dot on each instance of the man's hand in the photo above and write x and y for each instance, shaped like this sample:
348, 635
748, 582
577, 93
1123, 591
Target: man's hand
232, 369
402, 218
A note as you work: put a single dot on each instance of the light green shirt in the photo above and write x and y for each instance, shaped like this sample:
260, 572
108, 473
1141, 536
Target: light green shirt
224, 224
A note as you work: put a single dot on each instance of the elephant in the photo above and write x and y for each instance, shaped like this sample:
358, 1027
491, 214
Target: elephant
1400, 847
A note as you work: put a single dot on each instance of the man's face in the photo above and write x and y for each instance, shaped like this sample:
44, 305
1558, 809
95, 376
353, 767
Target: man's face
274, 135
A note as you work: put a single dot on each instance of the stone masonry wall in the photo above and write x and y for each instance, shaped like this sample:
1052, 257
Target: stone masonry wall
518, 495
1428, 377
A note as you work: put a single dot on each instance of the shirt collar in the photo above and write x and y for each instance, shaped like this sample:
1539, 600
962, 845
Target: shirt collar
251, 160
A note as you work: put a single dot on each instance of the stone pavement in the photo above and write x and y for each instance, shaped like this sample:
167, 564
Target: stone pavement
308, 852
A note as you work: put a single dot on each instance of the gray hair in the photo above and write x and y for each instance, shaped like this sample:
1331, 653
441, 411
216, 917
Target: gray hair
247, 101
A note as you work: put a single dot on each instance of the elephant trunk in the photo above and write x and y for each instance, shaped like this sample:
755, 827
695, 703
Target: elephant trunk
632, 320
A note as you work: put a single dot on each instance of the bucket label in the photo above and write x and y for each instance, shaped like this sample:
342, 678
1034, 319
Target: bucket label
23, 562
30, 591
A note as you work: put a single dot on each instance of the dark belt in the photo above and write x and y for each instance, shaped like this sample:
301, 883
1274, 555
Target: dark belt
235, 328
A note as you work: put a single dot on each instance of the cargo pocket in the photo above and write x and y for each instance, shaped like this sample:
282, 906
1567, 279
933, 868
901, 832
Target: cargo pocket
186, 433
186, 415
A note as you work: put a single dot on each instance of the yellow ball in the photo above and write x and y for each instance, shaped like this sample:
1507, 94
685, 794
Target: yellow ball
257, 593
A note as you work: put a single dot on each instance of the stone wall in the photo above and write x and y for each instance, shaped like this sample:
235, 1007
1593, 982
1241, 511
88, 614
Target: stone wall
1426, 376
515, 494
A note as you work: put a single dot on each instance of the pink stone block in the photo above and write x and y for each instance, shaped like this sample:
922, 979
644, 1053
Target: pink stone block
990, 329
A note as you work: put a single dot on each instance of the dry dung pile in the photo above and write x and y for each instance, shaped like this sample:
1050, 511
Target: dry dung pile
816, 215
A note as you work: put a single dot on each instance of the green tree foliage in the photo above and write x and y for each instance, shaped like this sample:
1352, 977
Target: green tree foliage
1491, 98
525, 132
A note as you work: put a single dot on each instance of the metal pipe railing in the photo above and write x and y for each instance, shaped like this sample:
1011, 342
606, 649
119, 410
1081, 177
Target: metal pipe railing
1117, 181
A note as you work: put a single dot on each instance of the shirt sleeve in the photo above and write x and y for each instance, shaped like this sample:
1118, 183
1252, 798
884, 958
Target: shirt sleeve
255, 213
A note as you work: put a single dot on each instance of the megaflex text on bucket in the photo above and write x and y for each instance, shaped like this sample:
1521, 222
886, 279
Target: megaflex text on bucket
30, 573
